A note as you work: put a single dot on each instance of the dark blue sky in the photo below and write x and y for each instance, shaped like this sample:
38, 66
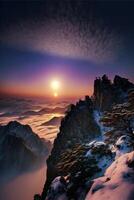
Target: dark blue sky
73, 41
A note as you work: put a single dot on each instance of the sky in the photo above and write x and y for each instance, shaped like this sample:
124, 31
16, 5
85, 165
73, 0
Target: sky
71, 42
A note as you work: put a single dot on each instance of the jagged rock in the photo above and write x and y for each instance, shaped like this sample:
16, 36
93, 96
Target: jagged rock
120, 119
107, 93
122, 83
74, 156
79, 167
124, 144
77, 127
103, 93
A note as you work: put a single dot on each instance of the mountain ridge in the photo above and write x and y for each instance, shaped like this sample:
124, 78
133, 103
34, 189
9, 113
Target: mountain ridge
106, 95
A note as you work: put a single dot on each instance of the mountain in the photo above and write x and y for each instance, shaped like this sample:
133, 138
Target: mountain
21, 150
77, 168
93, 135
77, 127
55, 121
107, 93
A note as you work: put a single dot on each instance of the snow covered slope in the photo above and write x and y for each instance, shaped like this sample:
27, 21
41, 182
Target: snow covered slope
117, 183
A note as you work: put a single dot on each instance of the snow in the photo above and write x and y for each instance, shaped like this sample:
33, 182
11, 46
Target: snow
118, 182
88, 154
122, 146
95, 143
56, 183
90, 144
100, 143
97, 117
103, 161
57, 189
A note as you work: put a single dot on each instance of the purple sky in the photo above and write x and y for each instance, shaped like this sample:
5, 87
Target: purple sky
70, 42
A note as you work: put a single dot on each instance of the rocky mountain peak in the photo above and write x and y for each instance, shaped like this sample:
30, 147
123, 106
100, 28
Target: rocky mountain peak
79, 154
122, 83
15, 128
107, 93
77, 127
21, 149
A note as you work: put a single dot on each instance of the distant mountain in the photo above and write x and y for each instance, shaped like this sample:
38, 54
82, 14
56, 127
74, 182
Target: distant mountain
52, 122
46, 110
93, 133
21, 150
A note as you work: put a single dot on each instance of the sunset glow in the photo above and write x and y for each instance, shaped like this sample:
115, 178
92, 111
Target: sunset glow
55, 84
55, 94
61, 57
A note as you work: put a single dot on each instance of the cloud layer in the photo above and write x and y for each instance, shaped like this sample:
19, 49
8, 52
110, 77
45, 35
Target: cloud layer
66, 30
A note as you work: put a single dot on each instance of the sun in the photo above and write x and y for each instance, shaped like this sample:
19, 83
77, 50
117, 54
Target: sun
55, 84
55, 94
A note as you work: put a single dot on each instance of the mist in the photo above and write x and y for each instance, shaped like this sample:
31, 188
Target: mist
24, 187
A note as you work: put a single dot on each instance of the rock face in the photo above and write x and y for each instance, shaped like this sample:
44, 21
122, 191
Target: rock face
79, 166
107, 93
121, 121
21, 149
77, 127
76, 158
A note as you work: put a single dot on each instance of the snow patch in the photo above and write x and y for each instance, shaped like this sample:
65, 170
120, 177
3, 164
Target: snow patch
57, 189
118, 182
97, 116
103, 160
122, 146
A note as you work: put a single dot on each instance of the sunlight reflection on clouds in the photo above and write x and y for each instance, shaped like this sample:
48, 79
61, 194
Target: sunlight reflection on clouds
14, 112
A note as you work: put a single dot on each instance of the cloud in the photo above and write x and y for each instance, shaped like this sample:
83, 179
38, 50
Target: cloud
55, 121
15, 106
64, 38
65, 29
9, 104
22, 115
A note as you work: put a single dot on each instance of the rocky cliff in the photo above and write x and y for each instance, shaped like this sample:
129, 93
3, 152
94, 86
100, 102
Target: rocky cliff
77, 127
76, 158
107, 93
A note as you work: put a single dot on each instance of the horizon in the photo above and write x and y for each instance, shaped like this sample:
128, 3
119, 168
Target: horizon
40, 43
88, 92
